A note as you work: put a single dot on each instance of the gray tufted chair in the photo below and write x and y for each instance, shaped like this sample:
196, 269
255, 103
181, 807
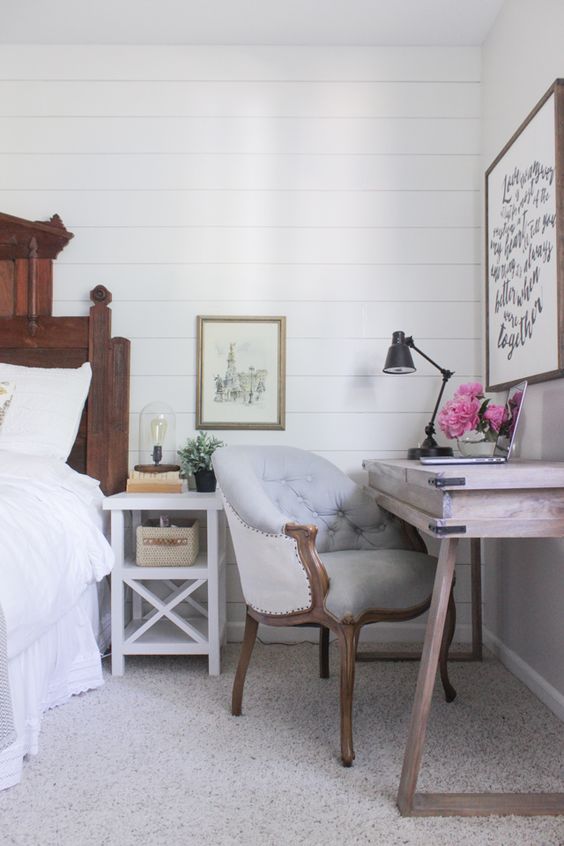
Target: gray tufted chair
313, 548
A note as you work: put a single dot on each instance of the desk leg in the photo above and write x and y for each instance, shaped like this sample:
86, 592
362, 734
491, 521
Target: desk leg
415, 804
427, 675
476, 578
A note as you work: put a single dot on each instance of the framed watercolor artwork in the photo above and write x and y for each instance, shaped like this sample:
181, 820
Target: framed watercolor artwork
525, 250
241, 373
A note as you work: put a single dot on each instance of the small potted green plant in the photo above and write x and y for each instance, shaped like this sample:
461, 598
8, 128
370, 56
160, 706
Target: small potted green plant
195, 459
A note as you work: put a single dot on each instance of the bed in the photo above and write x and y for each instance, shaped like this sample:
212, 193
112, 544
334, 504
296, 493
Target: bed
58, 457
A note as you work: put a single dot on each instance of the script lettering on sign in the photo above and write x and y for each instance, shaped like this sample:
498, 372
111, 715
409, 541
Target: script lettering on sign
522, 279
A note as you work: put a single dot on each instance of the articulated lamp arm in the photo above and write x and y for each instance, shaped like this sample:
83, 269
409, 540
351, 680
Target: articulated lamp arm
399, 360
430, 441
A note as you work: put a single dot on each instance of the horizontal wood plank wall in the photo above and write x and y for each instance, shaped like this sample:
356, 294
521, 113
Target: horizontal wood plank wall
339, 187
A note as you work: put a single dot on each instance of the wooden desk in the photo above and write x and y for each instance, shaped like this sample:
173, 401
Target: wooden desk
518, 499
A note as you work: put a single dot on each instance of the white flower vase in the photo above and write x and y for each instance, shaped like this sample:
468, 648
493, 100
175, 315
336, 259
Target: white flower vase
473, 444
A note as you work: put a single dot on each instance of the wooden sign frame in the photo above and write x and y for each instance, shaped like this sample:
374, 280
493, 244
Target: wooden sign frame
525, 250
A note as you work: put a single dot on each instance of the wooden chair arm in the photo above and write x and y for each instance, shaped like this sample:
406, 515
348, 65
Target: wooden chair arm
305, 537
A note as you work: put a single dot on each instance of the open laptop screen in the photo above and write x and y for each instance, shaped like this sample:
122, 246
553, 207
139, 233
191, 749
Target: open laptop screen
508, 431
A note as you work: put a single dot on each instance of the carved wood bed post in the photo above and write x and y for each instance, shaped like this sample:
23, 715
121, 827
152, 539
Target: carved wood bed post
29, 335
27, 251
108, 405
32, 287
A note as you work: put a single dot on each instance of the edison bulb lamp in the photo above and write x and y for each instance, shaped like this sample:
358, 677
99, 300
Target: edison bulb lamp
159, 426
157, 437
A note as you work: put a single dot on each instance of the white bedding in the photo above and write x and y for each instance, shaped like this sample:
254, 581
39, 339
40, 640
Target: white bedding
51, 544
52, 553
64, 661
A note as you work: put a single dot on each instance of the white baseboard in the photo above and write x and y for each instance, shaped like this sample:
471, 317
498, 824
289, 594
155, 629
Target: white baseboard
548, 694
381, 633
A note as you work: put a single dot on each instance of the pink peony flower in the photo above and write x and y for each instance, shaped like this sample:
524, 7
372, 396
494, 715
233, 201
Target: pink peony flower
495, 415
470, 409
471, 389
459, 415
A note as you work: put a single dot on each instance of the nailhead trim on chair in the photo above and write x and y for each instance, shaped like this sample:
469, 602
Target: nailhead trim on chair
229, 507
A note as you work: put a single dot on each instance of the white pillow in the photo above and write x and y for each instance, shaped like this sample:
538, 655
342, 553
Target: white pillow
45, 411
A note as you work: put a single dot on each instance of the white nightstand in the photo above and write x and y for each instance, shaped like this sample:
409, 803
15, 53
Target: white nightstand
165, 618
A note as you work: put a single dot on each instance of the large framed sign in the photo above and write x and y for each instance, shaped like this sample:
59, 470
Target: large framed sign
525, 250
241, 373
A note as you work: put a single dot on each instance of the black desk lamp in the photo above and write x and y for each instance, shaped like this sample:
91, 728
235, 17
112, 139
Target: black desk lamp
399, 360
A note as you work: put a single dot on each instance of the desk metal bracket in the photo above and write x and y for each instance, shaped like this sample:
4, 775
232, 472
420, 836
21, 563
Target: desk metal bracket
445, 482
441, 531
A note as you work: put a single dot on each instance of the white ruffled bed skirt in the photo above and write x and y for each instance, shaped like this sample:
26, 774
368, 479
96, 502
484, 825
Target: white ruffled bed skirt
63, 662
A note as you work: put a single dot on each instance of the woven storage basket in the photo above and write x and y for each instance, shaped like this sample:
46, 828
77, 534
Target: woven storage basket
170, 546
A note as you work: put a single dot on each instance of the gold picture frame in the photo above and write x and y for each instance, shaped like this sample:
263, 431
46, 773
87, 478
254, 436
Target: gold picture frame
241, 372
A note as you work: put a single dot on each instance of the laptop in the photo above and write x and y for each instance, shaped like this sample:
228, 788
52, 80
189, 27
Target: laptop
504, 444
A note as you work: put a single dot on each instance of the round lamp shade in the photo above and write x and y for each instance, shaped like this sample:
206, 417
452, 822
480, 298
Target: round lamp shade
399, 359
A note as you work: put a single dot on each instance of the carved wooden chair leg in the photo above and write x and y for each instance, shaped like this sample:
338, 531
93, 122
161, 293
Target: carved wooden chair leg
347, 646
450, 625
356, 639
251, 628
323, 652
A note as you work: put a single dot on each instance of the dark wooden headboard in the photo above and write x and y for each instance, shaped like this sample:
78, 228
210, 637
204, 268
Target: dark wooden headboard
30, 335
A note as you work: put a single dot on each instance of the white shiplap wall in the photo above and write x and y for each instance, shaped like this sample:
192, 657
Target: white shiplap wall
336, 186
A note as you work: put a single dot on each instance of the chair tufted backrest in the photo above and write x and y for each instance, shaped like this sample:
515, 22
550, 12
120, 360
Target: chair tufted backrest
274, 485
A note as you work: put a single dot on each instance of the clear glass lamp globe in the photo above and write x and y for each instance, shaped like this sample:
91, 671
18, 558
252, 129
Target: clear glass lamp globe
157, 434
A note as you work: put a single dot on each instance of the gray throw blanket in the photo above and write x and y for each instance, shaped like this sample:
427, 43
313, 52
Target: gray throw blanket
7, 731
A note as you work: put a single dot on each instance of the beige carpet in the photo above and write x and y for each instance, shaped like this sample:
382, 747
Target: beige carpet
155, 758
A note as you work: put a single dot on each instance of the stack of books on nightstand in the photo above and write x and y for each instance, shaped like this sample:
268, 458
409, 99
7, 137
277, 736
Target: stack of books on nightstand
168, 482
